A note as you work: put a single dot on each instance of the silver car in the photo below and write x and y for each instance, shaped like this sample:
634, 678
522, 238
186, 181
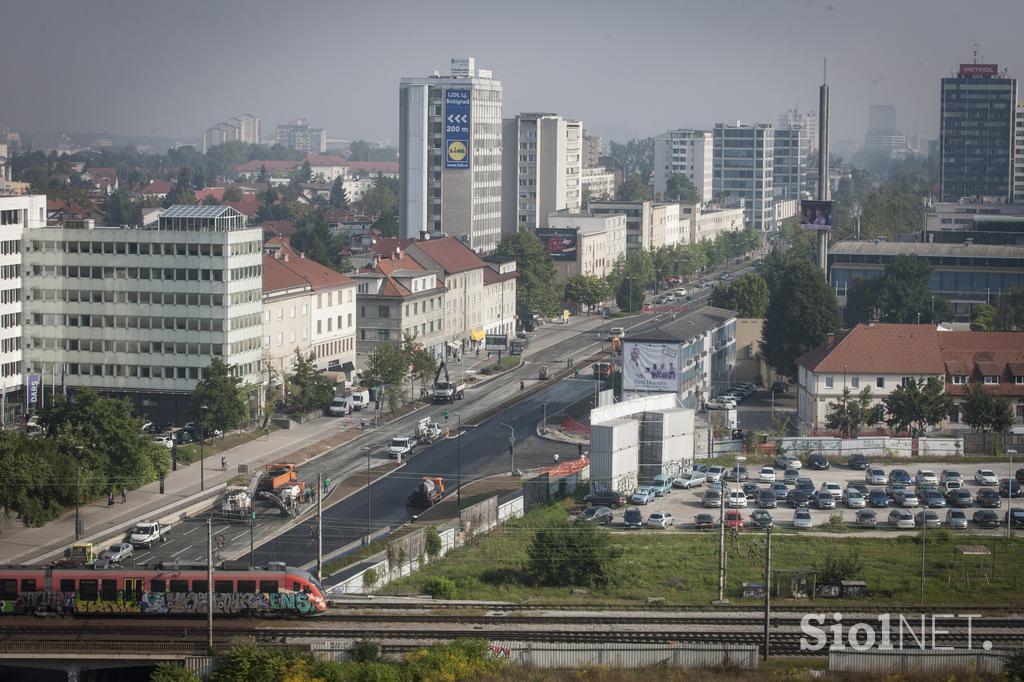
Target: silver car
956, 519
928, 519
875, 476
790, 476
802, 519
854, 499
691, 480
901, 518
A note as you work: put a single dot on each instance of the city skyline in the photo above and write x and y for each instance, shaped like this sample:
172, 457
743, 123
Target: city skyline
351, 91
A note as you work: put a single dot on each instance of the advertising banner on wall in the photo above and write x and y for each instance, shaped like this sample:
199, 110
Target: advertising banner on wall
457, 108
559, 242
33, 389
816, 215
650, 367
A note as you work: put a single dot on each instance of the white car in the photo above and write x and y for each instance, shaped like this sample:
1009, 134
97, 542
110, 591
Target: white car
660, 520
766, 475
926, 476
721, 404
737, 499
617, 331
802, 519
166, 441
834, 488
986, 477
714, 473
401, 447
948, 475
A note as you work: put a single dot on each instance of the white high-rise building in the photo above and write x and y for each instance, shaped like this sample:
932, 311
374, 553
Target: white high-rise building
17, 214
684, 152
140, 313
1018, 155
541, 165
241, 128
450, 155
808, 120
743, 163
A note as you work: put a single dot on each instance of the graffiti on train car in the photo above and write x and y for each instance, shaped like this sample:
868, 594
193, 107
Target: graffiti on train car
193, 602
119, 605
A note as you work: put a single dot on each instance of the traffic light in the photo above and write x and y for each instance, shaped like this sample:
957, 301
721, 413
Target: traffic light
510, 450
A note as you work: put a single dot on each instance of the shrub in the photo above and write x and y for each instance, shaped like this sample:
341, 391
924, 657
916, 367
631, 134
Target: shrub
440, 588
370, 577
433, 543
172, 672
364, 651
1014, 669
578, 555
835, 568
835, 520
463, 659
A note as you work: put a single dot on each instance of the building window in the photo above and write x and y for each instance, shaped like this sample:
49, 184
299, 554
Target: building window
383, 311
959, 379
828, 382
854, 382
1020, 410
1018, 380
319, 326
991, 379
879, 382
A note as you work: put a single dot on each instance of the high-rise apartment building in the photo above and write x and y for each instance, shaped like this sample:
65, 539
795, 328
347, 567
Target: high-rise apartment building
1018, 156
450, 132
791, 162
684, 152
593, 150
807, 119
17, 215
242, 128
298, 135
541, 166
744, 156
141, 312
976, 135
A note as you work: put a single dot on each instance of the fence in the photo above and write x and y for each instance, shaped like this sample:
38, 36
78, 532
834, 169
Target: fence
903, 661
624, 655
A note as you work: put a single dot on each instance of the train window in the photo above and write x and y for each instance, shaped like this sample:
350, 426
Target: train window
223, 586
179, 586
9, 589
28, 585
246, 586
67, 585
296, 587
200, 586
157, 585
88, 590
108, 589
268, 586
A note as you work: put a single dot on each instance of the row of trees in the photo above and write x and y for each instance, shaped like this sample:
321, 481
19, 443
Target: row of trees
916, 405
389, 366
901, 295
1005, 314
39, 475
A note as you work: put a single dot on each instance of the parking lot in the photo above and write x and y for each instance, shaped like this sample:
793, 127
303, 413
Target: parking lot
684, 505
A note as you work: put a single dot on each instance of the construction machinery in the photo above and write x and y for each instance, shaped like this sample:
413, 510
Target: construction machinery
428, 432
277, 475
428, 492
446, 391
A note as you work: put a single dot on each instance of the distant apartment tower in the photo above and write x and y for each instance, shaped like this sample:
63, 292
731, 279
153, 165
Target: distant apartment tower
791, 162
684, 152
298, 135
593, 149
541, 165
18, 216
807, 119
242, 128
450, 132
1018, 156
976, 135
140, 312
883, 137
744, 156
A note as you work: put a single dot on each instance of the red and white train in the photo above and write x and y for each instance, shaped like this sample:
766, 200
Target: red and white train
152, 591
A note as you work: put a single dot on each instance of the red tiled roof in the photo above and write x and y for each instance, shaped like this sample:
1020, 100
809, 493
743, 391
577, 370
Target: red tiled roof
105, 173
272, 166
248, 206
911, 349
385, 246
61, 205
215, 192
373, 166
290, 269
450, 253
326, 160
998, 354
157, 187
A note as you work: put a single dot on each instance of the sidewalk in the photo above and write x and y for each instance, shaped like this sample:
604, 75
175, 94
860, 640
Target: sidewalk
19, 544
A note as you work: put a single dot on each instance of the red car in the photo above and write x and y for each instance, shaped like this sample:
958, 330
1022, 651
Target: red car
734, 519
647, 308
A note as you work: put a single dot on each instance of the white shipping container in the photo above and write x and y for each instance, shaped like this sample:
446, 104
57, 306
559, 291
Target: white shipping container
678, 421
614, 449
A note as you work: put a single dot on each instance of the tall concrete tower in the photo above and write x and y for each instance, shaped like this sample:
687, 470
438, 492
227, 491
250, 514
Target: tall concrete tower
823, 189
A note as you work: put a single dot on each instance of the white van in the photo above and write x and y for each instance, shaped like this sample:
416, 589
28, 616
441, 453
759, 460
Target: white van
360, 399
340, 406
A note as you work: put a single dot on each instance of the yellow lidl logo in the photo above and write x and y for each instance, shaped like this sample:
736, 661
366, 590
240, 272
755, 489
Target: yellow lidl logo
457, 150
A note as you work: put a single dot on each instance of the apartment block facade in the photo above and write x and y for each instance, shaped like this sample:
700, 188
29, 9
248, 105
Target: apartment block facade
541, 164
744, 156
684, 152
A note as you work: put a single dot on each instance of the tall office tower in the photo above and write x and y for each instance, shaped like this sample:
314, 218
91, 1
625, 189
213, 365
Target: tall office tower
743, 159
593, 149
1018, 156
541, 160
883, 137
684, 152
242, 128
19, 216
976, 137
140, 312
791, 162
450, 155
807, 119
297, 134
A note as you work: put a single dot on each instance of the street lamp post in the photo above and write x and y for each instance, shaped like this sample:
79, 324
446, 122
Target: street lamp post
202, 442
458, 473
368, 497
1009, 495
511, 445
78, 466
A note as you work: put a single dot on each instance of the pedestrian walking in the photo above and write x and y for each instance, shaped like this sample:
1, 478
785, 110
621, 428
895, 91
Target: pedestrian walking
110, 498
223, 463
556, 458
124, 494
522, 385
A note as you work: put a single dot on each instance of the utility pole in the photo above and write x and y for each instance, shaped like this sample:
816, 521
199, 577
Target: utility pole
78, 466
368, 508
1009, 494
209, 584
924, 528
458, 475
721, 521
319, 525
252, 537
511, 445
202, 440
767, 587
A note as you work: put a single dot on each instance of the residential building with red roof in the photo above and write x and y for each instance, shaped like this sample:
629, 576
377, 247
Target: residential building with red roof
251, 170
307, 307
884, 356
215, 193
157, 189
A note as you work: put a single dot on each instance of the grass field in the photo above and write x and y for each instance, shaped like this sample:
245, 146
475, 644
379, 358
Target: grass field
682, 568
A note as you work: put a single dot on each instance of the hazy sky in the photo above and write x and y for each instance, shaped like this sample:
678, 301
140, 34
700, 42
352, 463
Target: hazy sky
625, 68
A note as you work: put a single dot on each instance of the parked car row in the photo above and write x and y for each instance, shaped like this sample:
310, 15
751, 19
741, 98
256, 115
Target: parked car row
732, 397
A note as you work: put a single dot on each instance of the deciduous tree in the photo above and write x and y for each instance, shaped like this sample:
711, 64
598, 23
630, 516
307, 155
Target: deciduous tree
224, 397
386, 368
679, 187
571, 554
802, 312
537, 289
747, 295
848, 414
917, 404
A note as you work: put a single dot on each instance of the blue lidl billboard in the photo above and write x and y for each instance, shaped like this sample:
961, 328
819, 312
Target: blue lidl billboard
457, 107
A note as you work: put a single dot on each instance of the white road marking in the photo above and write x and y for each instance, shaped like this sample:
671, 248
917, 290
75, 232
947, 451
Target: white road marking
180, 551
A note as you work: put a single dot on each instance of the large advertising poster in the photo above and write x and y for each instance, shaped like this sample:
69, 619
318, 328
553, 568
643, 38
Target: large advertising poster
457, 107
650, 367
33, 389
560, 242
816, 215
493, 342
